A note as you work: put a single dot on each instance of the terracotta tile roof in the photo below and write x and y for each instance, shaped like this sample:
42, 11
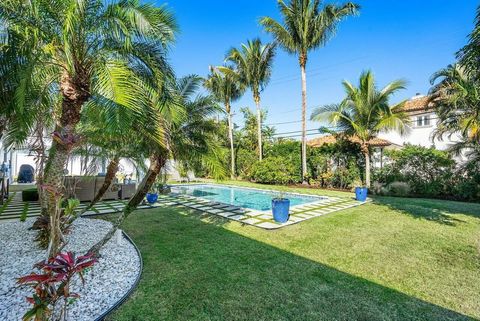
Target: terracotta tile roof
420, 103
329, 139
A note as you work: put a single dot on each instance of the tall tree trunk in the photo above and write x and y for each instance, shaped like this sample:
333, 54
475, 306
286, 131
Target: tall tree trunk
230, 137
75, 92
157, 161
304, 120
259, 126
112, 169
366, 153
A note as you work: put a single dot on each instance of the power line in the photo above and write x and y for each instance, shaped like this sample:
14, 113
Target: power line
285, 123
296, 131
331, 128
314, 72
308, 130
297, 109
293, 136
321, 70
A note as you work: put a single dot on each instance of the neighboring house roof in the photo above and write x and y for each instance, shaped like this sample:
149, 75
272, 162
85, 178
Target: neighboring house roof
329, 139
418, 103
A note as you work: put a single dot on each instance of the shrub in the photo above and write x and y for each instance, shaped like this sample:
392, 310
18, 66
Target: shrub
347, 176
468, 183
30, 195
52, 284
376, 188
399, 189
275, 170
245, 160
427, 171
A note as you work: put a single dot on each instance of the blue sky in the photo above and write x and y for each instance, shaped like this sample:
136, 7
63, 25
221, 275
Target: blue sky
396, 39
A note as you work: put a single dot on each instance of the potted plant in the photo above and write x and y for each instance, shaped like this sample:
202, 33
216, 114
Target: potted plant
152, 195
281, 208
361, 193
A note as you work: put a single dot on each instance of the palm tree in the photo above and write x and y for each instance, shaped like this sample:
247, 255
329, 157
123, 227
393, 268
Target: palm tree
89, 47
253, 62
26, 105
469, 55
114, 132
189, 140
224, 84
455, 95
365, 112
306, 27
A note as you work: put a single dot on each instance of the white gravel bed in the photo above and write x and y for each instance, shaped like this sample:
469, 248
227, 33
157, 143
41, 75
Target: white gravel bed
111, 277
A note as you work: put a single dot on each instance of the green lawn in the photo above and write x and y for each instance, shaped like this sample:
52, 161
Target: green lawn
394, 259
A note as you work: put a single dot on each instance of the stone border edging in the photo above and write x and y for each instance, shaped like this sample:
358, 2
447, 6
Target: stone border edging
130, 291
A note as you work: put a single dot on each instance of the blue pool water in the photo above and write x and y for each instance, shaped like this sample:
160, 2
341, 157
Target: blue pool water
241, 197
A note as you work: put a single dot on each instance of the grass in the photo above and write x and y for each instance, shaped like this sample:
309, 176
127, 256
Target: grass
7, 202
24, 214
393, 259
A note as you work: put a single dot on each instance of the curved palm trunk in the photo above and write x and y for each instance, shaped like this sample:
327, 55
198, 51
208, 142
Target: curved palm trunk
75, 93
112, 169
259, 126
304, 123
230, 137
157, 161
3, 123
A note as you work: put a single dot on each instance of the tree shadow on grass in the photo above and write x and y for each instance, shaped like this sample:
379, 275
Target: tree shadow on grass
439, 211
195, 270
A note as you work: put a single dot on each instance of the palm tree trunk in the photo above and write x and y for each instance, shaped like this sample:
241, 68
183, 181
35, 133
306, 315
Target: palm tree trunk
75, 92
112, 169
304, 123
157, 161
259, 126
367, 168
230, 136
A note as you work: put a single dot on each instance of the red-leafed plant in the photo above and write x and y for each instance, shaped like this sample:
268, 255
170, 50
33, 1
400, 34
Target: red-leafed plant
52, 285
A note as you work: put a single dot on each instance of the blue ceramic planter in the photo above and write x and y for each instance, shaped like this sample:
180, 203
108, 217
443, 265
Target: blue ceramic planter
281, 210
361, 193
152, 197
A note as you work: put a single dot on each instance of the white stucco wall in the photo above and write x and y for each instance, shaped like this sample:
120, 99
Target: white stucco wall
420, 135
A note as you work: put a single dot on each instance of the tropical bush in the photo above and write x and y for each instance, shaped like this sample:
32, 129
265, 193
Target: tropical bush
30, 195
276, 170
347, 176
398, 189
337, 165
468, 183
51, 287
427, 171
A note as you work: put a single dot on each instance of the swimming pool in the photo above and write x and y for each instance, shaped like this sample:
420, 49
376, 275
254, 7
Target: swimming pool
242, 197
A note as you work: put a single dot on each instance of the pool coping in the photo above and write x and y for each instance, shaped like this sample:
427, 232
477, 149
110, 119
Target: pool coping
264, 219
299, 206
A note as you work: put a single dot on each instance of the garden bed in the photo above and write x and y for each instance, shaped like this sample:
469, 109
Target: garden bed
115, 274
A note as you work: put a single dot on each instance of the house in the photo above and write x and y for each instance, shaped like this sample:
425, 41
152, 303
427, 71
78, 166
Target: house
14, 158
423, 123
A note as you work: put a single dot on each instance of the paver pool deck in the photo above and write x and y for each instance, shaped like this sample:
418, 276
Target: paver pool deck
15, 208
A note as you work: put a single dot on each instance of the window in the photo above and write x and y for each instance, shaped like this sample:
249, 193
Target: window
423, 121
419, 121
426, 120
